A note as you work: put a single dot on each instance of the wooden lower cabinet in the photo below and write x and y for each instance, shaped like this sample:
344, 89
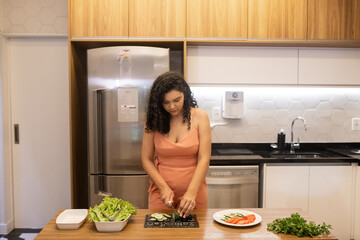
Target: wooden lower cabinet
324, 191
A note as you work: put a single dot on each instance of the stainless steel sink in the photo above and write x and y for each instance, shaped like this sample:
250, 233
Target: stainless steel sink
302, 155
299, 155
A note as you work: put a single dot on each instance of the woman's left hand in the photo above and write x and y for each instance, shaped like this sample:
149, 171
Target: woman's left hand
187, 204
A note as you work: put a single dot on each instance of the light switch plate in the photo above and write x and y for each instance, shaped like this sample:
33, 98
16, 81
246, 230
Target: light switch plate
216, 114
355, 124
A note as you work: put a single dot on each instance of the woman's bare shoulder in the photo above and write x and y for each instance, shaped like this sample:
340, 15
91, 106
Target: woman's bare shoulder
200, 112
201, 115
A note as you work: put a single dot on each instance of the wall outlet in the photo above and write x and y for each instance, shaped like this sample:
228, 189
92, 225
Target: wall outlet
216, 114
355, 124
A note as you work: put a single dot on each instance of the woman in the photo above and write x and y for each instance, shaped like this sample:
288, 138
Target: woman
179, 134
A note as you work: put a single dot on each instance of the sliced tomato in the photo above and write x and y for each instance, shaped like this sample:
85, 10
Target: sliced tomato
233, 220
247, 219
236, 220
251, 217
242, 220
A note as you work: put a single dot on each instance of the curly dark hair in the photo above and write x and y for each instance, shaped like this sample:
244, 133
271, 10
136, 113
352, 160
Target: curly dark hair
157, 118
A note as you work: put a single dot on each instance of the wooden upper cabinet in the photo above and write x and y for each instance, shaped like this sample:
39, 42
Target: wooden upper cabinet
357, 21
99, 18
277, 19
217, 18
334, 19
157, 18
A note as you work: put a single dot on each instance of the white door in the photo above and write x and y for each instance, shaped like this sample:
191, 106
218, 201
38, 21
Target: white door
38, 70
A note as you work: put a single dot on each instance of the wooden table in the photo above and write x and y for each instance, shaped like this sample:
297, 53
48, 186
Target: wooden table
209, 229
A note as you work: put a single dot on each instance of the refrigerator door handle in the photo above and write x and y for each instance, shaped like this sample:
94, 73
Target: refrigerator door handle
99, 186
96, 145
98, 130
103, 194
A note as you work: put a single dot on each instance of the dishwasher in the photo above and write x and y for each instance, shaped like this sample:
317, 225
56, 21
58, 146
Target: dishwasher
232, 186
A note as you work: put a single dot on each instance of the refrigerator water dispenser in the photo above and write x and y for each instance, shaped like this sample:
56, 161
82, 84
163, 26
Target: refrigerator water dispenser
233, 104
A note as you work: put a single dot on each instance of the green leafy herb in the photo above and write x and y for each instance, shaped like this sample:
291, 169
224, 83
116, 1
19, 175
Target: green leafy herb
296, 225
110, 206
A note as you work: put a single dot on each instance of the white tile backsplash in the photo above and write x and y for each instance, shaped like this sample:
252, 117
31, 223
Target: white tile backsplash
327, 110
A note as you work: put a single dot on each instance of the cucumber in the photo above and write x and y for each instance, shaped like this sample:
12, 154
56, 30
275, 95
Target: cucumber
176, 216
160, 217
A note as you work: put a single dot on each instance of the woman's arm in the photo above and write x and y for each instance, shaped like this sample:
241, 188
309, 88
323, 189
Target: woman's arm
187, 203
147, 156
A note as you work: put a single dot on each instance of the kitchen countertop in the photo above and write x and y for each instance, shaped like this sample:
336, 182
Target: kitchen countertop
209, 229
259, 153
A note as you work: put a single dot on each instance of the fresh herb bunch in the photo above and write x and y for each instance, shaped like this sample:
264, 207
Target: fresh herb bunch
296, 225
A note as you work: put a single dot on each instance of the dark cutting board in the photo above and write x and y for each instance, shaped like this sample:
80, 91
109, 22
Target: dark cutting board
171, 223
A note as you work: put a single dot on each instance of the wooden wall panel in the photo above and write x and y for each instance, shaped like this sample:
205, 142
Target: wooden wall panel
277, 19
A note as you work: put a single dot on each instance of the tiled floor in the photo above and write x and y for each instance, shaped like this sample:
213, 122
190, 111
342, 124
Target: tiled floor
21, 233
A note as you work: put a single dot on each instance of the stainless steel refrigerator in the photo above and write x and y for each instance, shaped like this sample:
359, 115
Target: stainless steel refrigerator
119, 80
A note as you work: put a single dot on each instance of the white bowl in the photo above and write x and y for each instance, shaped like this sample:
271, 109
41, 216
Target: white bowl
71, 218
115, 226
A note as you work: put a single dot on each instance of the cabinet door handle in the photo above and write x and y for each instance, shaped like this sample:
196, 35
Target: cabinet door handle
16, 134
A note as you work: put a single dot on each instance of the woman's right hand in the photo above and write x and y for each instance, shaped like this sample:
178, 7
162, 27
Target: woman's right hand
166, 195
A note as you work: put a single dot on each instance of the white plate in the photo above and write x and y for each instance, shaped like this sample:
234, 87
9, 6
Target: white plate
220, 214
71, 218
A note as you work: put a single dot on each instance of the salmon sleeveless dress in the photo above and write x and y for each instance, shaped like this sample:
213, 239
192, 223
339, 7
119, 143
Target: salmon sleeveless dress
176, 163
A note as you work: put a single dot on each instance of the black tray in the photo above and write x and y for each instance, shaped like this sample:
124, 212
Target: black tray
171, 223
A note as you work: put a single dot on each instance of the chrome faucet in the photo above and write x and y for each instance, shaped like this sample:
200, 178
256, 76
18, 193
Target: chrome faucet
294, 145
